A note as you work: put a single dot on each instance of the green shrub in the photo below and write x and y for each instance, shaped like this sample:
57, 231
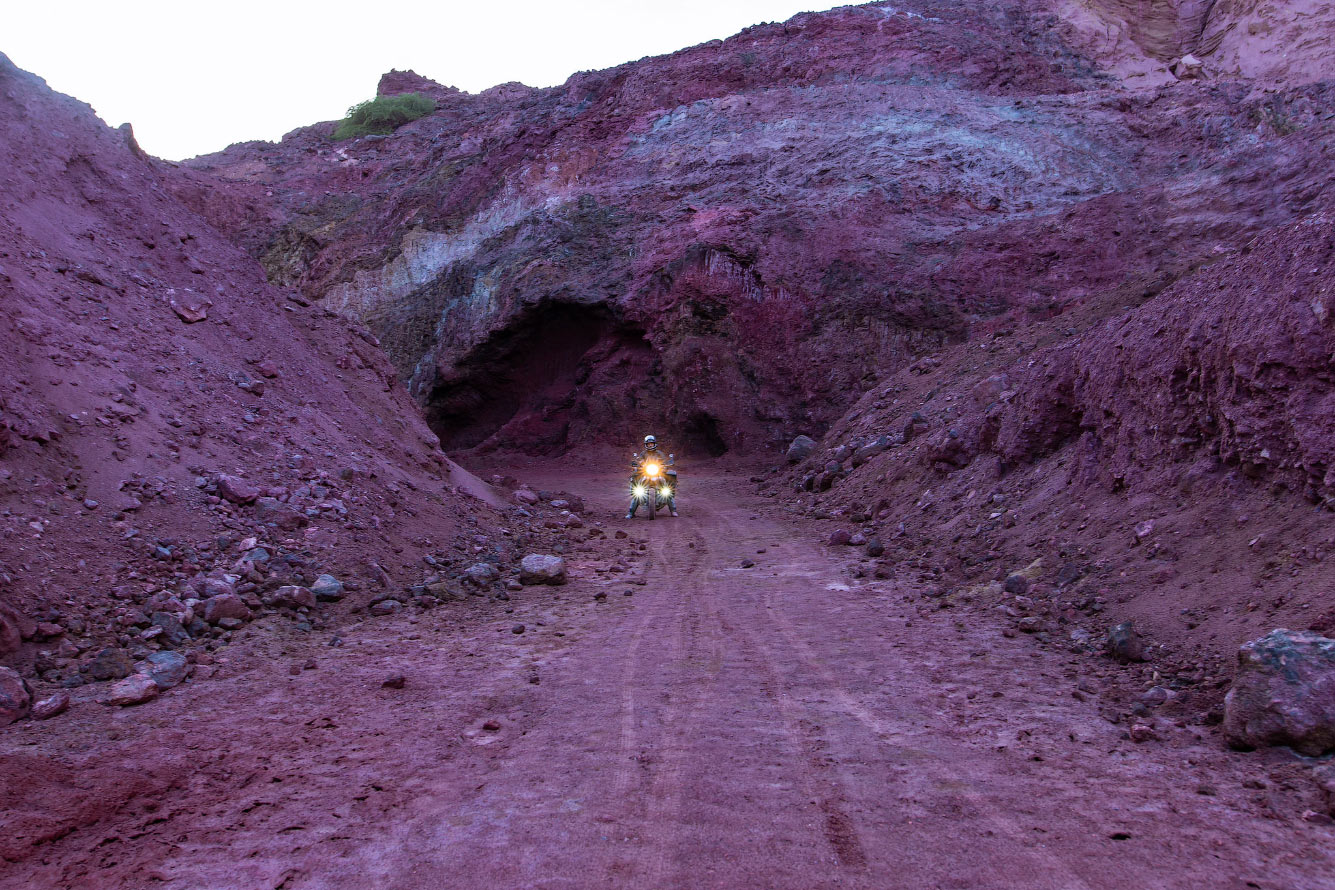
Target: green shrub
383, 114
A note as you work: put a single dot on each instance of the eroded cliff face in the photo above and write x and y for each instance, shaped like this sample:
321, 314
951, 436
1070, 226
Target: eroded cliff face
732, 242
1274, 44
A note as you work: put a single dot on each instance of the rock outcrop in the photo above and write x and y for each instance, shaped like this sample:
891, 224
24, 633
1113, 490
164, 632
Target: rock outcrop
733, 241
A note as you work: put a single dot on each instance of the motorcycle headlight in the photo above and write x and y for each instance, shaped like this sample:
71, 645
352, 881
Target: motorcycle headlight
639, 491
665, 492
651, 469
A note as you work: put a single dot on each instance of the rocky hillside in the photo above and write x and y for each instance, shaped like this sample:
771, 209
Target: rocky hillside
172, 427
1171, 466
736, 240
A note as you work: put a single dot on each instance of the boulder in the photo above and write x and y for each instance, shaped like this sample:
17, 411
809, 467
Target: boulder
482, 574
15, 697
537, 568
1284, 693
327, 588
293, 597
133, 690
236, 490
229, 605
166, 669
1124, 644
800, 449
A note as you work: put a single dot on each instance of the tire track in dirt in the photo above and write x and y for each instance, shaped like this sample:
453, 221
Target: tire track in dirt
885, 731
655, 781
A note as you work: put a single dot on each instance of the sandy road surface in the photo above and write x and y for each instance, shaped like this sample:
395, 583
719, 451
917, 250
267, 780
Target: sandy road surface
767, 727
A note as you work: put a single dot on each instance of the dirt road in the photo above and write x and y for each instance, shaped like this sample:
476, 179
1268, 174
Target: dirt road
767, 727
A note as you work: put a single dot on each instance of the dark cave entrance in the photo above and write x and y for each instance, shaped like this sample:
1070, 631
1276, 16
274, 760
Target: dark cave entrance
529, 380
700, 435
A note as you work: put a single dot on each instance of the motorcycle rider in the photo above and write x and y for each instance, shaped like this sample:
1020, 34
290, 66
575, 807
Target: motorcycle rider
651, 449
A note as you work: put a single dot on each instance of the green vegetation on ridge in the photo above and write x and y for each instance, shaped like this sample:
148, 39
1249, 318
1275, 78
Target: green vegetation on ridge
383, 115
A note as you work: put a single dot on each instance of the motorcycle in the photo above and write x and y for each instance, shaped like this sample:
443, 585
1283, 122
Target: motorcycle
652, 484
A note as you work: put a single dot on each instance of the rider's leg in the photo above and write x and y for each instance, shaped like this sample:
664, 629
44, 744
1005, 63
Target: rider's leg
634, 506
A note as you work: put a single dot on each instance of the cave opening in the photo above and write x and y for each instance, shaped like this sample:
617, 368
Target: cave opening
522, 386
701, 435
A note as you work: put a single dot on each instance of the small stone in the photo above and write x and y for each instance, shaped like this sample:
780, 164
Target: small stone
218, 587
52, 706
15, 697
537, 568
110, 664
482, 574
748, 563
512, 585
233, 624
1030, 624
133, 690
858, 539
517, 629
327, 588
190, 308
1141, 732
840, 537
1154, 696
875, 547
1124, 644
386, 607
173, 632
236, 490
1016, 584
526, 497
492, 726
294, 597
228, 605
394, 681
48, 631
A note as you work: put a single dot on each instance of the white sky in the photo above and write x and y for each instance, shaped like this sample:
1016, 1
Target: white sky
194, 77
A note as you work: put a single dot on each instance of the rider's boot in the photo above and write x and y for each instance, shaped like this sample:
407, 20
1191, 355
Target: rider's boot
634, 506
672, 506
